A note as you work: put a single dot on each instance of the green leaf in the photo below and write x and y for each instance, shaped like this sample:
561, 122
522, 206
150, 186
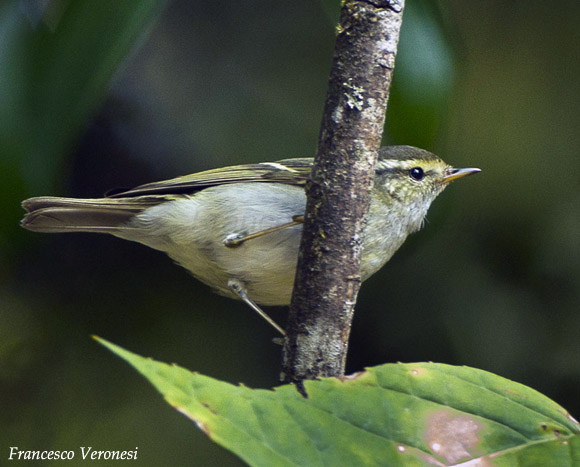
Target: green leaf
56, 61
423, 84
394, 414
57, 64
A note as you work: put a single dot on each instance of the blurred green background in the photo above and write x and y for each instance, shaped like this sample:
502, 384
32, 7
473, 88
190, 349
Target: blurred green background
96, 95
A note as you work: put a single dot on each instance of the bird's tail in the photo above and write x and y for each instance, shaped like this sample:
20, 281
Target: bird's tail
104, 215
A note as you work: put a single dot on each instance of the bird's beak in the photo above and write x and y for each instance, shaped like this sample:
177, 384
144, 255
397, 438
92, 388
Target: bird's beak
454, 174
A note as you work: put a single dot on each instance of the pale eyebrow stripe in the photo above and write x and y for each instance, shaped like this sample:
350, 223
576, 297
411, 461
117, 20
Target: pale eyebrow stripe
402, 167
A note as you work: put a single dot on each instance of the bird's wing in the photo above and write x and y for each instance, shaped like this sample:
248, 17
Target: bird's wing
287, 171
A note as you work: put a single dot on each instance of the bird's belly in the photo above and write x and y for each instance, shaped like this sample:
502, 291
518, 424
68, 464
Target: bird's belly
266, 266
192, 231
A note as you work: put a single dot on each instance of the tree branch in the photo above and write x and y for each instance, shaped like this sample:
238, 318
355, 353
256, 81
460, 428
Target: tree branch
328, 279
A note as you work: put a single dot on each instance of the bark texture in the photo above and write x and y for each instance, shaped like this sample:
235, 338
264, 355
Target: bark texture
328, 278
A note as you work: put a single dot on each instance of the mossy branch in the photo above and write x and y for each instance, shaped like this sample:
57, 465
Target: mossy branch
328, 279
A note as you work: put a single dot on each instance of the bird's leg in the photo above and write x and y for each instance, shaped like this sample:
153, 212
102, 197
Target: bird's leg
236, 239
238, 288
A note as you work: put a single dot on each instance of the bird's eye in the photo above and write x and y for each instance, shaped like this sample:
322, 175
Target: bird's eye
417, 173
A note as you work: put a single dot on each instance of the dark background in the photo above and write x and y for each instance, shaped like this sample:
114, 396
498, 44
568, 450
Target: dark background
493, 281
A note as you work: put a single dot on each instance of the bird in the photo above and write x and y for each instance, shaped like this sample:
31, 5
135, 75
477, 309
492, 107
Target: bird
238, 228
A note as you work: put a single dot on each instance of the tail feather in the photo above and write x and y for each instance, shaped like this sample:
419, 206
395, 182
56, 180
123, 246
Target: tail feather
52, 214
